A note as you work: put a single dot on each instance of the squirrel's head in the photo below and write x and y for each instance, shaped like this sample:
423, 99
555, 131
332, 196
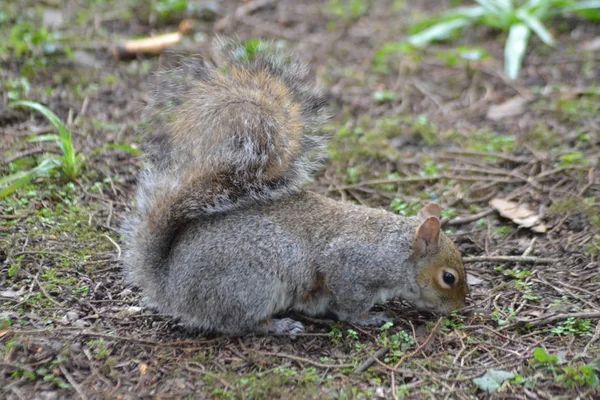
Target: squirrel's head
440, 272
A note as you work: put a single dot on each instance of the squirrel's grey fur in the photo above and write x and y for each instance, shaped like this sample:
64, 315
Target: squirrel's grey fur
224, 234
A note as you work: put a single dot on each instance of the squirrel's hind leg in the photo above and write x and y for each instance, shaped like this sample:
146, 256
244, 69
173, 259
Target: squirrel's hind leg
369, 319
283, 326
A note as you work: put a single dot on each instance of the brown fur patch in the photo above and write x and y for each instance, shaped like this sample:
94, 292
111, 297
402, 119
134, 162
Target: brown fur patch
319, 287
249, 105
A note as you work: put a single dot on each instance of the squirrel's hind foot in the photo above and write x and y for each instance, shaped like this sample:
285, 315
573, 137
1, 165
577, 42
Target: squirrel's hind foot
283, 326
370, 319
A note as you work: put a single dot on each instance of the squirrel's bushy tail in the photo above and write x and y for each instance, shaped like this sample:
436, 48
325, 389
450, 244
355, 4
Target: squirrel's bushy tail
221, 137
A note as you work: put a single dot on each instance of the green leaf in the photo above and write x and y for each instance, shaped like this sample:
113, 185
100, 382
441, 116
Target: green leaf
585, 5
543, 357
116, 146
493, 379
496, 6
24, 180
536, 25
45, 138
440, 31
70, 159
12, 177
514, 49
53, 118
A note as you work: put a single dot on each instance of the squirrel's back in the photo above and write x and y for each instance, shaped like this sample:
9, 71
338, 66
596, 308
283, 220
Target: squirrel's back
220, 137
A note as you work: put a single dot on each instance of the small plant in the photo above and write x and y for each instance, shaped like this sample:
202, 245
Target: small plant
347, 10
571, 375
517, 17
405, 209
69, 164
575, 327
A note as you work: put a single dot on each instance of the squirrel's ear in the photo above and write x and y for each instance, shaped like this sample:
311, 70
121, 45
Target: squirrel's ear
430, 210
427, 236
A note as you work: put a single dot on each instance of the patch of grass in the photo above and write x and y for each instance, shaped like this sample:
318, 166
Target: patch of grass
519, 19
463, 56
574, 327
68, 164
388, 56
405, 209
573, 205
396, 341
346, 11
491, 142
281, 382
572, 376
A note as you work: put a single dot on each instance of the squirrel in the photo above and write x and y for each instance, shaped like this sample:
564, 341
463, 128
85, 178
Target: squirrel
224, 234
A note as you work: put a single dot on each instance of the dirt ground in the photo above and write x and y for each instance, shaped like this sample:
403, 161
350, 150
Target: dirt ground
410, 126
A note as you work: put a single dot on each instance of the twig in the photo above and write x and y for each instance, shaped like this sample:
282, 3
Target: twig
551, 319
470, 218
393, 379
241, 12
529, 248
26, 153
114, 244
527, 260
22, 367
56, 303
387, 181
301, 359
369, 361
209, 374
72, 382
486, 154
421, 347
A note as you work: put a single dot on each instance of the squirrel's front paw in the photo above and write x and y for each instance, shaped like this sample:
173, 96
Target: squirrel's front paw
370, 319
284, 326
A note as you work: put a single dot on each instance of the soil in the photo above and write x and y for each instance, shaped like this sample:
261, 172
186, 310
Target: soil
410, 126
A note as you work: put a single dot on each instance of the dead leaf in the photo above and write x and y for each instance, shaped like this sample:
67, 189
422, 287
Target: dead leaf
591, 45
143, 369
128, 312
520, 214
473, 280
3, 333
13, 294
510, 108
53, 18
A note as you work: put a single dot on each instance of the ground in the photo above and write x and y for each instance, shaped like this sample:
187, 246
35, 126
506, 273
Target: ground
410, 126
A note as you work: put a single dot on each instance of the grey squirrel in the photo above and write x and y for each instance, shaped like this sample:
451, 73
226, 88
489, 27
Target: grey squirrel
224, 234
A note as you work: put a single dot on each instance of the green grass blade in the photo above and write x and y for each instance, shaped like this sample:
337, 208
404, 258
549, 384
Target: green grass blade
514, 49
21, 179
70, 159
53, 118
473, 12
536, 25
585, 5
12, 177
440, 31
24, 180
45, 138
116, 146
496, 6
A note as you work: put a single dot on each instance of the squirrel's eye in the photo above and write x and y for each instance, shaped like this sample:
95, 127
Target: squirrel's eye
449, 278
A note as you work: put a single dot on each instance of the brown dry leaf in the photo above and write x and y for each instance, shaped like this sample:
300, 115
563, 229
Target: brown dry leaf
472, 280
510, 108
143, 369
3, 333
520, 214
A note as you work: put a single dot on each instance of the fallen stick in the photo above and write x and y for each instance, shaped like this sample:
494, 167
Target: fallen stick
552, 318
369, 361
152, 45
241, 12
521, 259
